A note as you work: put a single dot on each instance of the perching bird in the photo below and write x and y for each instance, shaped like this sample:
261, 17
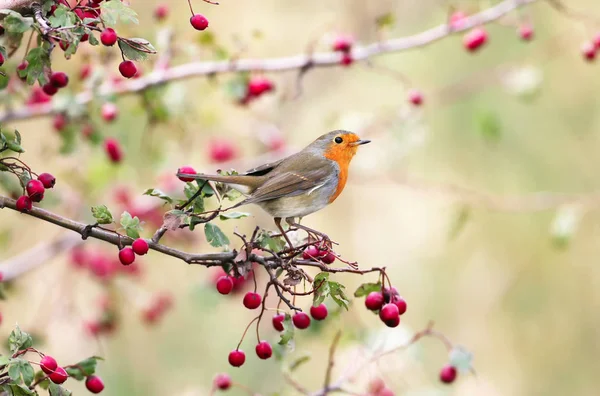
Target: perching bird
298, 185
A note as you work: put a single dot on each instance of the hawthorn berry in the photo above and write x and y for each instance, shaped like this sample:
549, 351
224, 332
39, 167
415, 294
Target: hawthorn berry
343, 44
113, 149
319, 312
199, 22
278, 321
47, 180
375, 386
109, 111
24, 204
327, 258
386, 392
108, 37
48, 364
526, 32
222, 381
85, 71
140, 246
474, 39
161, 11
1, 30
415, 97
221, 150
301, 320
126, 256
22, 66
259, 85
596, 41
310, 253
59, 122
35, 190
64, 45
237, 358
390, 293
393, 322
49, 89
1, 59
127, 69
187, 170
94, 384
58, 376
389, 313
59, 79
400, 303
588, 50
264, 350
252, 300
225, 285
448, 374
374, 301
347, 59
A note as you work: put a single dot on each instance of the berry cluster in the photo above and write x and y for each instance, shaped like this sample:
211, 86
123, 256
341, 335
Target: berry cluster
35, 189
256, 86
343, 44
322, 254
58, 375
127, 254
388, 304
57, 81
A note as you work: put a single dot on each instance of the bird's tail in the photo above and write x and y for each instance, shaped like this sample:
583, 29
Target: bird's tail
242, 183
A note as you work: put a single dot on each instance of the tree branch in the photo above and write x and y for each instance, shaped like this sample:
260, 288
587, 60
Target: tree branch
304, 61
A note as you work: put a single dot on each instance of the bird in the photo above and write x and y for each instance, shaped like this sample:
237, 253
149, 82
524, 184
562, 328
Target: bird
297, 185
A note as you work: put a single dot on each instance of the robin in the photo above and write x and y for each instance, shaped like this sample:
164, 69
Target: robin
298, 185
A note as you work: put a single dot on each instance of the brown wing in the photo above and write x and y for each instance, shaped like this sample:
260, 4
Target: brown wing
263, 169
289, 184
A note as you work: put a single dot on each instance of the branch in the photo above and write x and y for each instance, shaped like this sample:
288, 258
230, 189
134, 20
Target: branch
304, 61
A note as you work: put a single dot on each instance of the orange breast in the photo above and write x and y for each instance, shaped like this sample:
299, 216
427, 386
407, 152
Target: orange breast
341, 155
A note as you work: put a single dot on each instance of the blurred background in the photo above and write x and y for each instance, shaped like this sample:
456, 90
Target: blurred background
443, 197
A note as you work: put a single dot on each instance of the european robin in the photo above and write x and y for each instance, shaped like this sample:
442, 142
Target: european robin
298, 185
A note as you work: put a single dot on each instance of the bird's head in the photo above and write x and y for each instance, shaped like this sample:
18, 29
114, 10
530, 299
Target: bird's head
339, 146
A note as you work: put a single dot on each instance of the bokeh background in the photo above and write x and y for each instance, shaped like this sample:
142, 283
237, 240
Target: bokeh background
442, 197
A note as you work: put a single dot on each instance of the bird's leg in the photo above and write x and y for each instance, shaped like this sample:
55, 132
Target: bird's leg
311, 232
277, 221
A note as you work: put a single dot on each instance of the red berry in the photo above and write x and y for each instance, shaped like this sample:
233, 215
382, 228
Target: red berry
126, 256
389, 313
474, 39
47, 180
64, 45
48, 364
310, 253
59, 122
589, 51
347, 59
375, 386
199, 22
596, 41
221, 150
393, 322
187, 170
264, 350
22, 66
259, 85
278, 322
140, 246
328, 258
85, 71
35, 190
222, 381
94, 384
58, 376
415, 97
225, 285
1, 30
59, 79
108, 37
24, 204
390, 293
386, 392
343, 43
448, 374
1, 59
301, 320
237, 358
49, 89
401, 304
127, 69
113, 149
319, 312
110, 111
526, 32
374, 301
161, 11
252, 300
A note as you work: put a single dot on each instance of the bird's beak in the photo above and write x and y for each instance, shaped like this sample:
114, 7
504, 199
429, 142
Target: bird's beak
360, 142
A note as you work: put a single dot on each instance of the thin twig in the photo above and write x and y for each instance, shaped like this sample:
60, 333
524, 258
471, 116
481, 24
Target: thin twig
331, 362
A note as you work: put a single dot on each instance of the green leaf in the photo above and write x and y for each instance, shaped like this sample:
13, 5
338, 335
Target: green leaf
190, 190
287, 334
215, 236
16, 23
325, 288
113, 11
154, 192
41, 382
19, 340
131, 225
338, 295
267, 242
62, 17
21, 368
83, 369
367, 288
102, 214
4, 360
39, 64
136, 49
17, 390
57, 390
233, 215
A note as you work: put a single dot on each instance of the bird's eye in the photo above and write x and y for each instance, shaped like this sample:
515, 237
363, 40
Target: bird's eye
338, 140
